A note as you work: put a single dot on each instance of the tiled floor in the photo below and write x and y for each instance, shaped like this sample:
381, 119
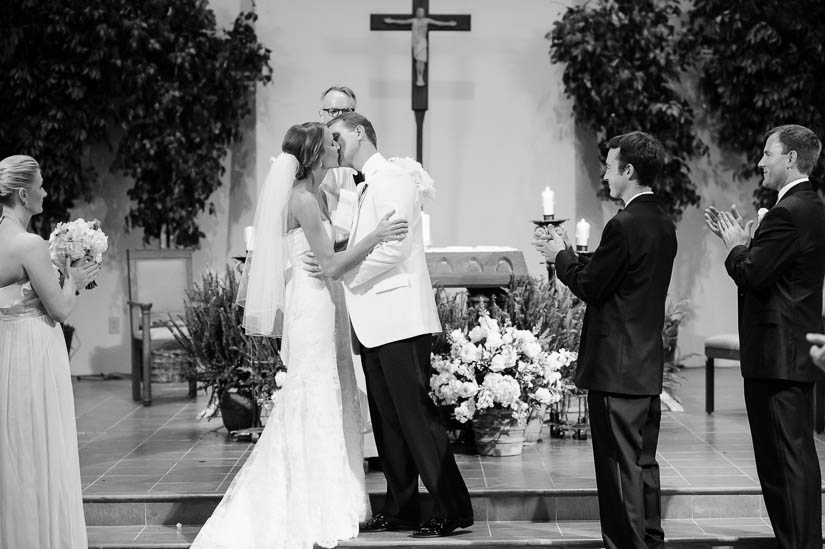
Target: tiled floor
128, 449
507, 534
163, 453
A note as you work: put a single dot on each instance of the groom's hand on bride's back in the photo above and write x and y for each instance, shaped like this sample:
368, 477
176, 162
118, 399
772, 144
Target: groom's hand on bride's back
312, 266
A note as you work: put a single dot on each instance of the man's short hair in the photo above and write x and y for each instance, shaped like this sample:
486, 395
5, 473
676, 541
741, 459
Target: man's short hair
794, 137
643, 151
353, 119
343, 89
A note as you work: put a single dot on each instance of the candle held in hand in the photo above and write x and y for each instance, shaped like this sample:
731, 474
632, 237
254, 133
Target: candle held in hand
249, 238
582, 233
548, 201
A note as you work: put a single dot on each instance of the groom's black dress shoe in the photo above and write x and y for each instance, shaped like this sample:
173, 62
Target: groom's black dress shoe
440, 527
383, 523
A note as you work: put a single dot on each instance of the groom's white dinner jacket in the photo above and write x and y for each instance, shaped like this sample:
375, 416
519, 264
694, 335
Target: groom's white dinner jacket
389, 295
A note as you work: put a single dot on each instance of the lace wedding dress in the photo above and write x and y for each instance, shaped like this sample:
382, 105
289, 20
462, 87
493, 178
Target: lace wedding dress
41, 504
303, 484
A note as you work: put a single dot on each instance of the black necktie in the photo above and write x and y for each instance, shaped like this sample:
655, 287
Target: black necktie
361, 194
358, 177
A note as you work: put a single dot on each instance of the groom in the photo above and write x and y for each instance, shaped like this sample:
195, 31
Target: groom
390, 301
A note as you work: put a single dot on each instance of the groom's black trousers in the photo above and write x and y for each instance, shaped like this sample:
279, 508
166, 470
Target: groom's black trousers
410, 439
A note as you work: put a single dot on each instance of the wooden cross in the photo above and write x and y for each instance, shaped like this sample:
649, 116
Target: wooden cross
420, 54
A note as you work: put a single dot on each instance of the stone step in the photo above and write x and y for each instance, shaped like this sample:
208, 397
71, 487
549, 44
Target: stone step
496, 505
682, 533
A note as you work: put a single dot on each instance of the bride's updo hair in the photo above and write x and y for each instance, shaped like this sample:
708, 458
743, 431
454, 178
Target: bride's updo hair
16, 172
306, 143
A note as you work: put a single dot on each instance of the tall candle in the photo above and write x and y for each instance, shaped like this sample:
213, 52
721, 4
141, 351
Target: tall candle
249, 238
425, 229
582, 233
548, 201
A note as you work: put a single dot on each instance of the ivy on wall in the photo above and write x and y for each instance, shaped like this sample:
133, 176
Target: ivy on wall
53, 98
620, 66
758, 64
160, 70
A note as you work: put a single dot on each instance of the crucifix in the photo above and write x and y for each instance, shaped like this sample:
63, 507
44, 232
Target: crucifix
420, 23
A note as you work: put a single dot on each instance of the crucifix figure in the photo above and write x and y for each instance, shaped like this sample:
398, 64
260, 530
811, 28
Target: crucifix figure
420, 24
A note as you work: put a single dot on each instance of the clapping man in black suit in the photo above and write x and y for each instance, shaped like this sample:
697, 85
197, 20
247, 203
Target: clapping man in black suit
779, 274
621, 356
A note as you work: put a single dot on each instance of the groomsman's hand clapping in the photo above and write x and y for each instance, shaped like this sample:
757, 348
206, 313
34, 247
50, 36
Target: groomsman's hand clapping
817, 349
729, 226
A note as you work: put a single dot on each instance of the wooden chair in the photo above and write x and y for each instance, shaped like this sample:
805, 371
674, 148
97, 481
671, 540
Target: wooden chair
727, 346
158, 282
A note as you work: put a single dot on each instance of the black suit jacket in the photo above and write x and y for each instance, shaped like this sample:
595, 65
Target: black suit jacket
625, 287
779, 277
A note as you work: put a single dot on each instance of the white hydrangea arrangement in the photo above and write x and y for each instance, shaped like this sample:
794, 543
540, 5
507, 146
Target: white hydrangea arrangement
495, 367
423, 182
77, 239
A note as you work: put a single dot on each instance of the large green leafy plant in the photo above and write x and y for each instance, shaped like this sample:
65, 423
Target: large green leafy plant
54, 75
759, 65
158, 75
622, 70
629, 64
195, 84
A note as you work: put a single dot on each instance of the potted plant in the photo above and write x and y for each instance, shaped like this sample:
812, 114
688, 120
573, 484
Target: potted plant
675, 313
237, 370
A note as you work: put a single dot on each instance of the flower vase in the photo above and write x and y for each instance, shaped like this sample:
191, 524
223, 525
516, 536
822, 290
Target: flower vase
498, 433
237, 411
535, 420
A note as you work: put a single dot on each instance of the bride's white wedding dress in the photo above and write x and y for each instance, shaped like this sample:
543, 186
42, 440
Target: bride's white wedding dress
303, 484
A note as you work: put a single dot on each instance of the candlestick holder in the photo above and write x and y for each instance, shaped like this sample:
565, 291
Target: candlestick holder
541, 230
545, 221
581, 251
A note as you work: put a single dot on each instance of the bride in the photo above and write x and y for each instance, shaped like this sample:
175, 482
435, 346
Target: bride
303, 484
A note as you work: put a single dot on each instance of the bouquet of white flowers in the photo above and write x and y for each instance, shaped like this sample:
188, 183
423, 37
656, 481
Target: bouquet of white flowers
78, 239
423, 182
494, 367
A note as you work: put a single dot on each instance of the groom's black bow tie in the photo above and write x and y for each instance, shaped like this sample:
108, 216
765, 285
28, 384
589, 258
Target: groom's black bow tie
358, 177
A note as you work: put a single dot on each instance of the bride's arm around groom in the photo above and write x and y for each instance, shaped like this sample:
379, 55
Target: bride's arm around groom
389, 189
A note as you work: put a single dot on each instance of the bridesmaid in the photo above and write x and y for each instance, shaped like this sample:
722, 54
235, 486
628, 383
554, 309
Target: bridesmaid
40, 496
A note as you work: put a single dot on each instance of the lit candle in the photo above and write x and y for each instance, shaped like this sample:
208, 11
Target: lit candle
425, 229
547, 201
249, 238
582, 234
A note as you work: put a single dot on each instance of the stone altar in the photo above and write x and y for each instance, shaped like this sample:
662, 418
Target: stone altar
474, 267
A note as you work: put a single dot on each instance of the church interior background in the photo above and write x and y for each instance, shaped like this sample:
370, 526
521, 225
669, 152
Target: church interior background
498, 131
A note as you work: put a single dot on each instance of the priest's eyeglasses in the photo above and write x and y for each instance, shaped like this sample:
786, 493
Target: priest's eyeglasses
333, 112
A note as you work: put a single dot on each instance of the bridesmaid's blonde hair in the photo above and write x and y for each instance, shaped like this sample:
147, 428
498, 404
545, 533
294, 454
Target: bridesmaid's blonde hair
16, 172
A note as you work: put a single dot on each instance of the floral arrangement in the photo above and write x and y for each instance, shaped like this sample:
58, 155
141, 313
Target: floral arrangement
423, 182
76, 240
495, 367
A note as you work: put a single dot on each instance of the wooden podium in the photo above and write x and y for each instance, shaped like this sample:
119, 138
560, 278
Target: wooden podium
477, 268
